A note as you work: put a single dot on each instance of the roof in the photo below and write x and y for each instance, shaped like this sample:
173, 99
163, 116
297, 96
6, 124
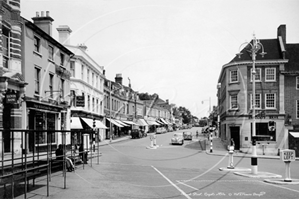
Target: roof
271, 47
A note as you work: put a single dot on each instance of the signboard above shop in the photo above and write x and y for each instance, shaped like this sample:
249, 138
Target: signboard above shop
79, 101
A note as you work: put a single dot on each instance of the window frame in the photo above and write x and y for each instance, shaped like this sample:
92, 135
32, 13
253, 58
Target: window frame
270, 80
266, 98
260, 100
50, 54
51, 85
231, 102
62, 59
36, 43
37, 79
231, 76
256, 80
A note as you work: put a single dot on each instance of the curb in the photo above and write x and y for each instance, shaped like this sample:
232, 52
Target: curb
282, 182
258, 175
235, 169
241, 155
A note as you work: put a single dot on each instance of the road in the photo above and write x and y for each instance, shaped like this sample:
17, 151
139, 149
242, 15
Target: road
129, 170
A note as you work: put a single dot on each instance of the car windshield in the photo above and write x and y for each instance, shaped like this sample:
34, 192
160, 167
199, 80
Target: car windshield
177, 134
188, 133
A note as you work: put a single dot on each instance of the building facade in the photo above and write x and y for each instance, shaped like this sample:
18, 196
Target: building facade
86, 85
235, 97
12, 84
46, 70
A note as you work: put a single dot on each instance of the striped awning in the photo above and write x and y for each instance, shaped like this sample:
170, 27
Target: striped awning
130, 122
114, 122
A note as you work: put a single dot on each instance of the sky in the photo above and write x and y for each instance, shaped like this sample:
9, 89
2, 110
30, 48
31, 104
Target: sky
175, 48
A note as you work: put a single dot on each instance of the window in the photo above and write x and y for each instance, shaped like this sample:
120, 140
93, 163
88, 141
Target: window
270, 101
5, 46
37, 80
89, 103
257, 75
97, 106
297, 83
62, 91
270, 74
72, 68
257, 100
36, 44
297, 109
262, 129
51, 85
50, 52
233, 76
97, 81
88, 76
233, 102
82, 72
92, 79
62, 59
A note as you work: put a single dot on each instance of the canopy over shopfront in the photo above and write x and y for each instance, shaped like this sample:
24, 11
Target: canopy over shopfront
161, 119
142, 122
115, 122
153, 123
121, 122
295, 134
82, 123
131, 123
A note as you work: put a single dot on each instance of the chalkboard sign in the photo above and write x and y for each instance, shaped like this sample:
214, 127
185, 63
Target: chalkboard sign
79, 101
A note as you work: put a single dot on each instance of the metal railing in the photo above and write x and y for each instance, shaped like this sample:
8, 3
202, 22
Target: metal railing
24, 157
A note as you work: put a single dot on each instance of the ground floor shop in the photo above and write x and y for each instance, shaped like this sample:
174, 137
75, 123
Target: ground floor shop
270, 132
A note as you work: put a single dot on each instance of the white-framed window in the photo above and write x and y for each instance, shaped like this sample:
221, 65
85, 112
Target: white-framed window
36, 43
92, 79
297, 109
89, 102
257, 101
50, 52
51, 77
234, 76
88, 76
37, 77
297, 83
270, 74
234, 101
62, 87
270, 100
257, 75
82, 72
72, 68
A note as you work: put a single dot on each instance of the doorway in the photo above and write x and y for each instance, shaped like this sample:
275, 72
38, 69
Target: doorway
235, 134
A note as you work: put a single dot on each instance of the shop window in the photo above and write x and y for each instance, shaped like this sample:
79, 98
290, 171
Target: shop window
264, 133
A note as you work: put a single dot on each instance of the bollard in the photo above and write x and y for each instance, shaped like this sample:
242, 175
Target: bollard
287, 156
211, 143
151, 141
154, 140
230, 160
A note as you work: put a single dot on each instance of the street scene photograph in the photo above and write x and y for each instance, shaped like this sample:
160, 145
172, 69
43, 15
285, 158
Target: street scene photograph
149, 99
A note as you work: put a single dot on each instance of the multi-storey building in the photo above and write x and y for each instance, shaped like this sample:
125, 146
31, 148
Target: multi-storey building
46, 70
86, 85
235, 97
12, 85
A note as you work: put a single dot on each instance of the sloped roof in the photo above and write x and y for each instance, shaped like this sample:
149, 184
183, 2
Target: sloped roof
271, 47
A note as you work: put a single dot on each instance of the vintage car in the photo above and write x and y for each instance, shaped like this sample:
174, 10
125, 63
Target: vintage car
177, 139
136, 133
187, 135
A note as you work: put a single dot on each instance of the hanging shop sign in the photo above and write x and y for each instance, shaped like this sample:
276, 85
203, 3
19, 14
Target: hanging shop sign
79, 101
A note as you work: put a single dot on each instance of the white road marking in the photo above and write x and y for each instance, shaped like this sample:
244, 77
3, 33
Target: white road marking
187, 185
174, 185
279, 186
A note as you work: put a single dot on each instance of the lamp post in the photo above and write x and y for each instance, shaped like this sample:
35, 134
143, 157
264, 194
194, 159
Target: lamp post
255, 47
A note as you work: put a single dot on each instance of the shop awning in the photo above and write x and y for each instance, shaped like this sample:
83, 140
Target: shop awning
130, 122
76, 123
295, 134
163, 121
122, 123
114, 122
153, 123
100, 125
159, 122
90, 122
142, 122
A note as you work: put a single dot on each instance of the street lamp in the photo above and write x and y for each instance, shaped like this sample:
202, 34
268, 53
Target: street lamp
110, 110
255, 47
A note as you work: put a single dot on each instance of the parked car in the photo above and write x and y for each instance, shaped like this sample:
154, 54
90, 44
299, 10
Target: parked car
187, 135
177, 139
205, 130
136, 133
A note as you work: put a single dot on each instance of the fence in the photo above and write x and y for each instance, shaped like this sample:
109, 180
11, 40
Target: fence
28, 154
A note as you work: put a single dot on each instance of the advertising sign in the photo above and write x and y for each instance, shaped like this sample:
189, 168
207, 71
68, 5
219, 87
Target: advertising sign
79, 101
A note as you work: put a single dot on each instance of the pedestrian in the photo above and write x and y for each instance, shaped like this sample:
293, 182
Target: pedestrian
60, 156
83, 154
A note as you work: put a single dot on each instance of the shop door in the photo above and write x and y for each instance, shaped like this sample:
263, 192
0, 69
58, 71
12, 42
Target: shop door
235, 134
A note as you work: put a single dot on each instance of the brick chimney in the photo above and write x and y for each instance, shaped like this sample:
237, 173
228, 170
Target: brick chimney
43, 22
281, 31
64, 33
118, 78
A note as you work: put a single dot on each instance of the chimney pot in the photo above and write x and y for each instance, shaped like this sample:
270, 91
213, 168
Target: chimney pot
37, 14
47, 13
42, 13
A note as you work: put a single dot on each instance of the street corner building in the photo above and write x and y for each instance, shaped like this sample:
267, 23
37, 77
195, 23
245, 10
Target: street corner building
276, 96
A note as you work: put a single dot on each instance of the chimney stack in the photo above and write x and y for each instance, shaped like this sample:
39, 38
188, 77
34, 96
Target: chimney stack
64, 32
118, 78
281, 31
43, 22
